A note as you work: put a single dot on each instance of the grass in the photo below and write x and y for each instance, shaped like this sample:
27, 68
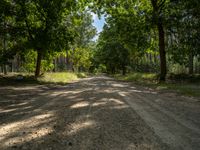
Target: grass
138, 77
61, 77
47, 78
183, 84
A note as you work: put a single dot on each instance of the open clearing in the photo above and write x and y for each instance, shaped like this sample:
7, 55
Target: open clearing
97, 113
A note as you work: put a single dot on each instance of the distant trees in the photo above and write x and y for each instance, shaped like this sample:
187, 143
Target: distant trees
44, 26
82, 48
169, 28
111, 52
138, 34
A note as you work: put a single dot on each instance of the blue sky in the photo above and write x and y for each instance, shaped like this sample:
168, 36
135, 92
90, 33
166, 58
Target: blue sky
98, 23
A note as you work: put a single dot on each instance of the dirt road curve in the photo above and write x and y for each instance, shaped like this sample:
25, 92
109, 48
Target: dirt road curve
97, 113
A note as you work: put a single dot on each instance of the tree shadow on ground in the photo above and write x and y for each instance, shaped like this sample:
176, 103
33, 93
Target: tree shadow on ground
84, 115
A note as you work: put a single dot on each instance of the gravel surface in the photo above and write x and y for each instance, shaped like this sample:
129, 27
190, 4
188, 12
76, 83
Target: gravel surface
97, 113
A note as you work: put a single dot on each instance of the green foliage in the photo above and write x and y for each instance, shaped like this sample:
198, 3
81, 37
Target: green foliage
183, 84
29, 60
111, 52
81, 57
81, 52
138, 77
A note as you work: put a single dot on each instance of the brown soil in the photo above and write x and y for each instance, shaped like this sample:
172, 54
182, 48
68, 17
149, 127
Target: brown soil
97, 113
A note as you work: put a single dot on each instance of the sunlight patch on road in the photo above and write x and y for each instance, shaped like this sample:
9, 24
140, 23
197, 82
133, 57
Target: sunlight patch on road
140, 91
98, 104
26, 137
13, 133
79, 126
20, 104
116, 101
123, 94
7, 110
119, 85
80, 105
120, 107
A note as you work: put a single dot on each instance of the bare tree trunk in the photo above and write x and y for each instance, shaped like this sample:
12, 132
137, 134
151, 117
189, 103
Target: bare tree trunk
123, 70
191, 63
54, 62
157, 8
4, 49
38, 64
163, 64
5, 70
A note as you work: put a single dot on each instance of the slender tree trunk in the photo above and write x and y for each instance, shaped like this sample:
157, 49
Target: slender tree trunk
1, 68
38, 64
4, 50
54, 62
191, 63
5, 69
163, 64
123, 70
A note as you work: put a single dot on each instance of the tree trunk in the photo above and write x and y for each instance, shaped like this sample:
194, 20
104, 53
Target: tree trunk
54, 62
191, 63
123, 70
5, 69
38, 64
163, 64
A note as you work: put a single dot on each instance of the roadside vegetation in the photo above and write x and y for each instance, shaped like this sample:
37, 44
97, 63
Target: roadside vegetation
181, 83
155, 38
47, 78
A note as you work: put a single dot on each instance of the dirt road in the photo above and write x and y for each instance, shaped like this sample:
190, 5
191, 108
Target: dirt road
97, 113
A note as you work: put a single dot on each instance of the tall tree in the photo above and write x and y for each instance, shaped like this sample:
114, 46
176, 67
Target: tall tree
158, 14
46, 24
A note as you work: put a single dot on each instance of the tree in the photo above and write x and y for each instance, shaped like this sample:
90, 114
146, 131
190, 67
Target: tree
81, 49
5, 30
182, 32
142, 11
158, 14
46, 25
111, 51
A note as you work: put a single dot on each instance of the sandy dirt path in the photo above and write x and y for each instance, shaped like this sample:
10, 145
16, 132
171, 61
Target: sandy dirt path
97, 113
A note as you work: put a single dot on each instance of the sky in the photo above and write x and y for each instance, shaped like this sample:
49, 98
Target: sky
98, 23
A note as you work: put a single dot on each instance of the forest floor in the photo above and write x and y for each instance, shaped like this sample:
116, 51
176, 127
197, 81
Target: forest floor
97, 113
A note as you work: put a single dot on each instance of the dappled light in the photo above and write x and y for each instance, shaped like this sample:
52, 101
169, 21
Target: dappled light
113, 113
78, 126
116, 101
103, 75
80, 104
25, 130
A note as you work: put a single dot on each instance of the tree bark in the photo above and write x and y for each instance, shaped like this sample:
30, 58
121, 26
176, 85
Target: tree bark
123, 70
157, 7
191, 63
55, 64
38, 64
5, 69
163, 64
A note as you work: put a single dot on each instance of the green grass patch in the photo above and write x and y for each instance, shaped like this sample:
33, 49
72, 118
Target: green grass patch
186, 85
47, 78
138, 77
189, 89
82, 75
59, 78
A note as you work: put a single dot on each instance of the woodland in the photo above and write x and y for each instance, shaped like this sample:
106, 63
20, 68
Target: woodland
150, 36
